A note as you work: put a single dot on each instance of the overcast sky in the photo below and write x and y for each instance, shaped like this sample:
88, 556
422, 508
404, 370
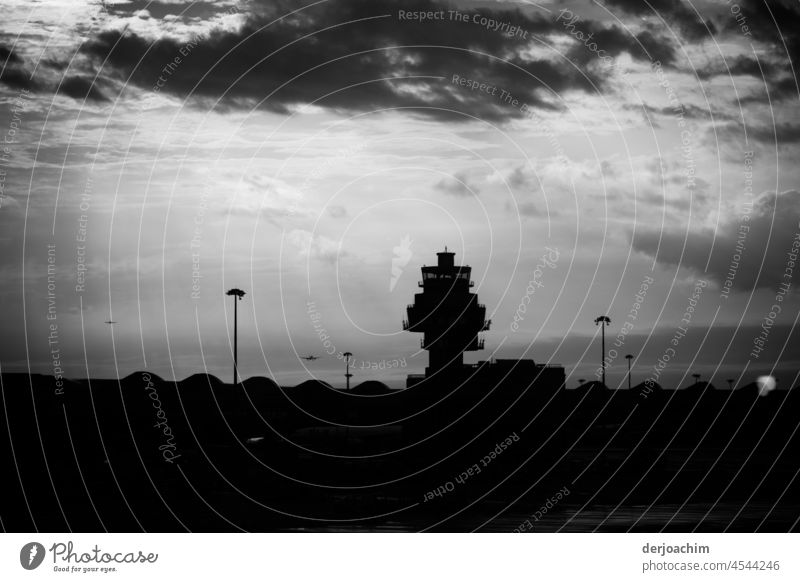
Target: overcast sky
324, 151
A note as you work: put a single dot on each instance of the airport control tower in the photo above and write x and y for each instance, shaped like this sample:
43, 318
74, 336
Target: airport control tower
448, 315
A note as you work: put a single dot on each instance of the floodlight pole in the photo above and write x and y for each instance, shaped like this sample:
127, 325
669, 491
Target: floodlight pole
237, 295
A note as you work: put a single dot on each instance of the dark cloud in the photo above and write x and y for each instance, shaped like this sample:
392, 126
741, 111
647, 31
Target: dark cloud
357, 55
614, 41
458, 185
777, 84
16, 78
780, 134
81, 88
525, 209
689, 112
193, 9
737, 66
337, 211
775, 23
519, 178
525, 183
673, 12
12, 70
8, 56
754, 250
655, 48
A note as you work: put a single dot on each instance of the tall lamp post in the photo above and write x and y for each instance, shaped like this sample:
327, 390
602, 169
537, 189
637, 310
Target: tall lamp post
629, 357
603, 321
696, 378
347, 374
237, 295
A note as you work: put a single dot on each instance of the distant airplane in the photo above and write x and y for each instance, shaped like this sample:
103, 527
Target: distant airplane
110, 322
309, 358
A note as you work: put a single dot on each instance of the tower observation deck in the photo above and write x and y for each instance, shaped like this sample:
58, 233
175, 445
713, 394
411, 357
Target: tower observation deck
447, 314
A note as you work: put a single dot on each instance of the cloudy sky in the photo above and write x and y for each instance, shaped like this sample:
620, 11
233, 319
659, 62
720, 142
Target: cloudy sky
317, 154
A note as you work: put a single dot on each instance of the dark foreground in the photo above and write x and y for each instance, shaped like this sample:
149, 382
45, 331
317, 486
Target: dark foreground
143, 454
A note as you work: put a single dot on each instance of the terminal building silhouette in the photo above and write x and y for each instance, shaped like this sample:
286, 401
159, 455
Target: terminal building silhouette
450, 318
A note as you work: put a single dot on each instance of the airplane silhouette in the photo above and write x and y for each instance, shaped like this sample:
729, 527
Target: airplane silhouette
110, 322
309, 358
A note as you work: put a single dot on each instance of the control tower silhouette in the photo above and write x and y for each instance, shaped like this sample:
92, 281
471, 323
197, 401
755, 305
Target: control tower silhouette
448, 315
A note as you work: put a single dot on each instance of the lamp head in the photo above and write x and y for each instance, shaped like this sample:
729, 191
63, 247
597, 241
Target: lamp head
235, 292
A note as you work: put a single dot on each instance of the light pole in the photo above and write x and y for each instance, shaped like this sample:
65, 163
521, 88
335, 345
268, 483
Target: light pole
730, 383
629, 358
603, 321
237, 295
696, 378
347, 374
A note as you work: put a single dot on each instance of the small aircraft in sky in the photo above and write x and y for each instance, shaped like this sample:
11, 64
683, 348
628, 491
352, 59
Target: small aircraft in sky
309, 358
110, 322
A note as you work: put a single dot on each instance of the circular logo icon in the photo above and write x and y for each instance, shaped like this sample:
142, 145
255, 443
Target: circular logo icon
31, 555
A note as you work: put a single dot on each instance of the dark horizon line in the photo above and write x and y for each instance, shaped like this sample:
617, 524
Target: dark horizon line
587, 384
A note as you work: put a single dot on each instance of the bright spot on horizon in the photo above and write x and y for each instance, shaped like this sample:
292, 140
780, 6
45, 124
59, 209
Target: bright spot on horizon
766, 384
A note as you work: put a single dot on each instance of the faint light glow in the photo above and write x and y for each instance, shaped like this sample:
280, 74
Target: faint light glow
402, 255
766, 384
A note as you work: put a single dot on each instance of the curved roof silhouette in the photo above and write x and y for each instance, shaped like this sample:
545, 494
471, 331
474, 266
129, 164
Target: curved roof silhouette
643, 387
371, 388
313, 385
139, 377
592, 385
260, 383
204, 379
